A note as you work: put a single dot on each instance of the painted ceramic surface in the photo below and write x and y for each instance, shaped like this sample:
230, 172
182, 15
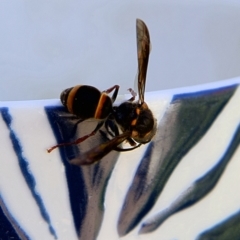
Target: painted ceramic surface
182, 185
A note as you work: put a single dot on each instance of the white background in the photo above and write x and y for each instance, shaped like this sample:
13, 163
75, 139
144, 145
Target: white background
47, 46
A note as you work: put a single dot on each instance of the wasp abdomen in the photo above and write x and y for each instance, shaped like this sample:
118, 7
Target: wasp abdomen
87, 102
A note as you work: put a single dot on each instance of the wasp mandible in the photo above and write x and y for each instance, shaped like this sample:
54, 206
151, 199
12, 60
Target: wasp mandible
134, 118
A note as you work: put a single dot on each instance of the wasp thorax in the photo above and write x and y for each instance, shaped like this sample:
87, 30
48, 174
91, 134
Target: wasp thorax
125, 115
64, 96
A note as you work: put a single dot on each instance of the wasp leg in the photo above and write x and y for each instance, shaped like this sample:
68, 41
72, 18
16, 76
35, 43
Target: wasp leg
115, 88
113, 131
134, 94
79, 140
105, 135
119, 149
111, 128
131, 141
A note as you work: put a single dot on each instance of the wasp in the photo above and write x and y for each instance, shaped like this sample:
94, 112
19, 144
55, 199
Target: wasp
134, 118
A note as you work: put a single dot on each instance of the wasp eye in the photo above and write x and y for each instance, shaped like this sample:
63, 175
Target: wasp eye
64, 96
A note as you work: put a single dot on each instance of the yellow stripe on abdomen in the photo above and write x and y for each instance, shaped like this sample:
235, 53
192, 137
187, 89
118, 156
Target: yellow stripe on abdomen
100, 106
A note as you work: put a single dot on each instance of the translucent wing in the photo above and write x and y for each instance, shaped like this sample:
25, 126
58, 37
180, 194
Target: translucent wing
100, 151
143, 49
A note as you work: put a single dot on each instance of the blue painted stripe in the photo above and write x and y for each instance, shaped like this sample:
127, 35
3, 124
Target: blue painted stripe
78, 193
9, 228
207, 92
24, 166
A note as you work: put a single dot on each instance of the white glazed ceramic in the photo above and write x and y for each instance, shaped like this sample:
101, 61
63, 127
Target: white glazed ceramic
43, 196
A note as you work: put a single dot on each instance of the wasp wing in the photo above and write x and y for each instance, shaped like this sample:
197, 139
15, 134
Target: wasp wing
97, 153
143, 51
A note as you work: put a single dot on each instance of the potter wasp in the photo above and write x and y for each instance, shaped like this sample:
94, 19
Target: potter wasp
134, 119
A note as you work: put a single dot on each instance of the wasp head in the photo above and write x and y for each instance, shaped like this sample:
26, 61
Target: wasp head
144, 126
138, 119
